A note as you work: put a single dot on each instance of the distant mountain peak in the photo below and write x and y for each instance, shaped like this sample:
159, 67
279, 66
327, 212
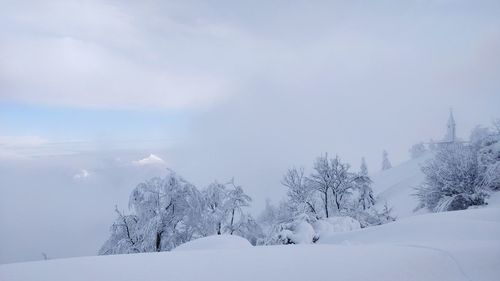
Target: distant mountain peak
150, 160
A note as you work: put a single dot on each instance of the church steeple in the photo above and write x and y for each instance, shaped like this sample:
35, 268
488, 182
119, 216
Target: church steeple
451, 131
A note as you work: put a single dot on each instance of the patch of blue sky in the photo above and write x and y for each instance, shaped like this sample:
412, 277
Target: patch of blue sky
65, 124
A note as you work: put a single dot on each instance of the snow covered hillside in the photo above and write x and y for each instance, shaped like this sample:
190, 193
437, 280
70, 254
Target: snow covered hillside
460, 245
215, 242
469, 238
396, 186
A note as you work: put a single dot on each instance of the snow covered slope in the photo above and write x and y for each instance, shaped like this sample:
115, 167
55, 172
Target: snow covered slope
216, 242
454, 246
470, 238
396, 186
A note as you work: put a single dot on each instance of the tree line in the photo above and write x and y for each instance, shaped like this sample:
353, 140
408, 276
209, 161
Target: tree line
169, 211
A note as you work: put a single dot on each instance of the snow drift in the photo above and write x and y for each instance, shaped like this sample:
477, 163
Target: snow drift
215, 242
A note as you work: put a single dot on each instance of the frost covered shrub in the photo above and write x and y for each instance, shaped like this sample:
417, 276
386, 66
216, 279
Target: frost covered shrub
296, 231
417, 150
373, 216
453, 179
332, 225
303, 230
489, 160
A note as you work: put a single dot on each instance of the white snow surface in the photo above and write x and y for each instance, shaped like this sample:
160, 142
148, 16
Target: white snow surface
451, 246
396, 186
215, 242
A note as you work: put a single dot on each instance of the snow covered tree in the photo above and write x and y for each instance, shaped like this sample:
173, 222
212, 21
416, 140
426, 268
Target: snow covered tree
224, 205
417, 150
168, 211
216, 202
124, 238
487, 145
300, 194
478, 135
237, 199
247, 227
385, 215
496, 126
453, 180
386, 164
268, 216
331, 190
363, 185
332, 176
460, 175
322, 181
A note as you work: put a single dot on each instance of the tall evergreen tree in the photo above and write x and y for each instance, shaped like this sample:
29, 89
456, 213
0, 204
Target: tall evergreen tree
363, 184
386, 164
